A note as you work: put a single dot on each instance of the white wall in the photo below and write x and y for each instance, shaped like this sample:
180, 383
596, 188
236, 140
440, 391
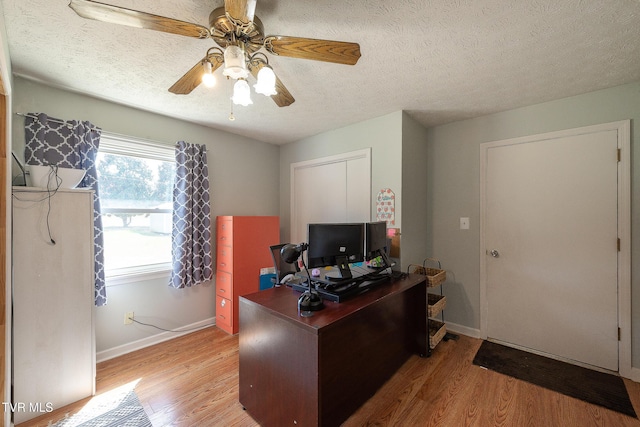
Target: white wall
453, 187
243, 175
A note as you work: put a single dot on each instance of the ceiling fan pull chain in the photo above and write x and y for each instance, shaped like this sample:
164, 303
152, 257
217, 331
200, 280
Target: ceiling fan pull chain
231, 116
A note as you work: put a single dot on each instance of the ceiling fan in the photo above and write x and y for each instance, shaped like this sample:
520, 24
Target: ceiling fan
240, 35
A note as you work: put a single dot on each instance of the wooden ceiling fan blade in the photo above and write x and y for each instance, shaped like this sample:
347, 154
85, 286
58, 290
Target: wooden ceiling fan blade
193, 77
241, 10
133, 18
317, 50
283, 97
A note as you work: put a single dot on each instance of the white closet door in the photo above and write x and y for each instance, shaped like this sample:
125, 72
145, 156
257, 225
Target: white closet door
330, 189
320, 196
358, 183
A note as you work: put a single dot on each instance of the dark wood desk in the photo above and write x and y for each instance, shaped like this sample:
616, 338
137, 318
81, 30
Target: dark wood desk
317, 371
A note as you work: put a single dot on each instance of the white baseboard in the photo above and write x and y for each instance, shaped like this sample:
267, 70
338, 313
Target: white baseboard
154, 339
462, 330
635, 375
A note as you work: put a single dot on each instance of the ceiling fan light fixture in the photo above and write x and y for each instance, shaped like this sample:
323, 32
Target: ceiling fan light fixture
241, 93
235, 65
266, 84
208, 78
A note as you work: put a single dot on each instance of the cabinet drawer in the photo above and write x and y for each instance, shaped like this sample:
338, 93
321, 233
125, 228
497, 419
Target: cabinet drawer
224, 312
223, 284
224, 232
225, 258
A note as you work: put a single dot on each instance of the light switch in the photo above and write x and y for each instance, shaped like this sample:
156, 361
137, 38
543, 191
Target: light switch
464, 223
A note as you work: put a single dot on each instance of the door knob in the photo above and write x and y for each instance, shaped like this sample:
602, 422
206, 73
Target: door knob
494, 253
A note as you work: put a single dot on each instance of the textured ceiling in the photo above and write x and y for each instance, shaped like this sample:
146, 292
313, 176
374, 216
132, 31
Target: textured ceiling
441, 61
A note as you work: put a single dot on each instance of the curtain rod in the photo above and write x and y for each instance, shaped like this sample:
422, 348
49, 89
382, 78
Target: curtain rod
93, 129
117, 135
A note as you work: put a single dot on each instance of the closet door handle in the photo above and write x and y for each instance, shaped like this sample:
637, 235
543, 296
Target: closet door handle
494, 253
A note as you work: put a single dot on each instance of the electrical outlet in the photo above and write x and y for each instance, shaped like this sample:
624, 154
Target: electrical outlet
128, 318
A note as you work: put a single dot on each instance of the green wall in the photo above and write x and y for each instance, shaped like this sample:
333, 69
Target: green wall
398, 161
243, 175
434, 173
415, 203
453, 163
382, 134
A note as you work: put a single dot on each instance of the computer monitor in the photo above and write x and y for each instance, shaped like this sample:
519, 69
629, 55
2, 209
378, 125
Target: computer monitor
335, 245
376, 243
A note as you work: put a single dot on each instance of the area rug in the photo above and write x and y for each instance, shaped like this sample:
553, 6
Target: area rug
111, 410
591, 386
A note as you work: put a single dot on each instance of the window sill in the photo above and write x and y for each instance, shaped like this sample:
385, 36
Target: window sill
138, 276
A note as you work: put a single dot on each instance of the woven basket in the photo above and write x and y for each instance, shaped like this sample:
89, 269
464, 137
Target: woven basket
435, 276
437, 331
416, 269
435, 304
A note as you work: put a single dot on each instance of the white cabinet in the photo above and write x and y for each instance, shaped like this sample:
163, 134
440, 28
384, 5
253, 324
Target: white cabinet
53, 299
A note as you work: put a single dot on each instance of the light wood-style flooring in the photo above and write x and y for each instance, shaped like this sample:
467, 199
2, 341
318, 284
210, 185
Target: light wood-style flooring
193, 381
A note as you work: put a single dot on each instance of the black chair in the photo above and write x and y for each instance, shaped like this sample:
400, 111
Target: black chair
282, 268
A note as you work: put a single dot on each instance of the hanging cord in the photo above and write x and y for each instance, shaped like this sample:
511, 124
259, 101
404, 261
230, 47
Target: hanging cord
24, 172
170, 330
52, 176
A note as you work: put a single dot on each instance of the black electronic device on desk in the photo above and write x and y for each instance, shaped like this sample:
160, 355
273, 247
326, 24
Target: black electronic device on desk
340, 291
341, 247
331, 276
336, 245
377, 244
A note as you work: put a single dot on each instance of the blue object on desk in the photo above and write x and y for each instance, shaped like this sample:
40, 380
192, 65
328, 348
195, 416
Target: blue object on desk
267, 281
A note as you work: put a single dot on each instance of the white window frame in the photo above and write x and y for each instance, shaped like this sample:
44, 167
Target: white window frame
111, 143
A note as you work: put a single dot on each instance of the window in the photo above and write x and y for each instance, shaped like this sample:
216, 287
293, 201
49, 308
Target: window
136, 183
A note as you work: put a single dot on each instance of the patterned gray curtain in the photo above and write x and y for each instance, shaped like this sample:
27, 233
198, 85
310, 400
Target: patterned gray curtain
70, 144
191, 234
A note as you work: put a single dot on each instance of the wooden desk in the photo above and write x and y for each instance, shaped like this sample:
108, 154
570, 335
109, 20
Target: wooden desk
317, 371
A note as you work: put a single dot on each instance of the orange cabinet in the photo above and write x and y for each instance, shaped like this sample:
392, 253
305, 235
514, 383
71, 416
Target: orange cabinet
224, 308
242, 249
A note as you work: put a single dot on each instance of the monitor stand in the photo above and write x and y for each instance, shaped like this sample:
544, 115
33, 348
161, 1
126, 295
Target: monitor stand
386, 261
344, 271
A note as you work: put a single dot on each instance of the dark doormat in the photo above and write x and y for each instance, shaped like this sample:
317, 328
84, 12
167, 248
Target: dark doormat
595, 387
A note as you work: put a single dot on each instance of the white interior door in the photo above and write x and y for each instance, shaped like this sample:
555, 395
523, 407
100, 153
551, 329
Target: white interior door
550, 235
330, 189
